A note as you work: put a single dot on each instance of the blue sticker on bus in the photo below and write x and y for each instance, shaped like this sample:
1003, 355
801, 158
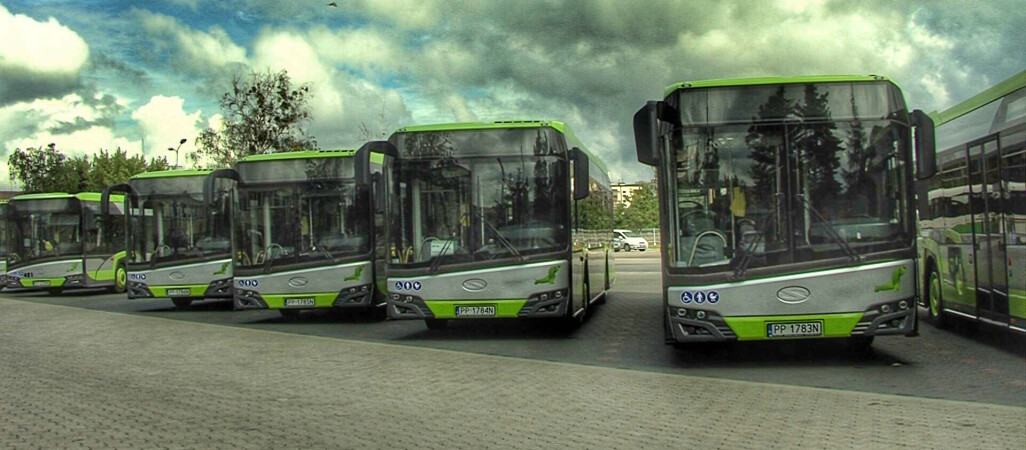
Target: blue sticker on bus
700, 297
407, 285
686, 297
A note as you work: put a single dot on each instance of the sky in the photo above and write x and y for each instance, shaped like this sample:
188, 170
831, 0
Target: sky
141, 75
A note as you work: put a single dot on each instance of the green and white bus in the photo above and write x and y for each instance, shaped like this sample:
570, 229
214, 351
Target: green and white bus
973, 211
304, 233
786, 206
180, 240
3, 243
57, 241
491, 220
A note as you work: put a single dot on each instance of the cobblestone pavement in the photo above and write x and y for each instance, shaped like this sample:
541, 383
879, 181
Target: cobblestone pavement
73, 378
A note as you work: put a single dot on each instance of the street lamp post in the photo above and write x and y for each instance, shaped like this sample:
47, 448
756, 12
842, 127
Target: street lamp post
170, 149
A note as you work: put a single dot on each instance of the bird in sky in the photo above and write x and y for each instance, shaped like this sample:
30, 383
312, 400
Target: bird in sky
333, 5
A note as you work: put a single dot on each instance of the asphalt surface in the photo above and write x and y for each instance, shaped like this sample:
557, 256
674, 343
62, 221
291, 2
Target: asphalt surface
83, 379
966, 363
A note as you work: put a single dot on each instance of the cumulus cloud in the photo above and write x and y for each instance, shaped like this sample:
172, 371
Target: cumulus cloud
210, 52
163, 123
37, 59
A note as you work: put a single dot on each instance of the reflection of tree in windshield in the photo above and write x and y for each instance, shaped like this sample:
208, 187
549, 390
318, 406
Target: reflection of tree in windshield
480, 194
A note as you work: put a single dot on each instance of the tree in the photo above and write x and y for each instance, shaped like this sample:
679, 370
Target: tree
263, 113
47, 170
38, 169
643, 211
112, 168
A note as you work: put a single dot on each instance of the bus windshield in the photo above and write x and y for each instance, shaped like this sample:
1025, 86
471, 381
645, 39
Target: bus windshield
455, 210
791, 183
300, 224
173, 224
44, 229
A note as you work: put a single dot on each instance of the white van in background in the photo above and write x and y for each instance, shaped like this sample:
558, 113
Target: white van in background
628, 240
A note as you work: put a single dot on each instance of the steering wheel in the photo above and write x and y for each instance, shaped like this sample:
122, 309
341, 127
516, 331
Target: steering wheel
689, 216
161, 248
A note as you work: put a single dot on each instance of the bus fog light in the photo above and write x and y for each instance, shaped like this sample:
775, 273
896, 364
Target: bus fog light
885, 308
700, 315
544, 297
559, 294
395, 297
681, 312
903, 304
408, 299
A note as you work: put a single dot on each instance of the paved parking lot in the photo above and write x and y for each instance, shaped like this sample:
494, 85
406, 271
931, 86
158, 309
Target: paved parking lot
76, 378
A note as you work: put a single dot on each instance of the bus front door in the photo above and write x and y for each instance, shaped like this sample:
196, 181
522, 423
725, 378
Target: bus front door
988, 234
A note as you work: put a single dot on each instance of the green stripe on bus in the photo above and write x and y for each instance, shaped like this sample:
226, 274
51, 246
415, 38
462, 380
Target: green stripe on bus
834, 325
321, 300
195, 290
446, 309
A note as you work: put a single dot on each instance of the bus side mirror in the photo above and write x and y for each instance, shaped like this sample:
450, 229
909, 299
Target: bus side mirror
646, 129
105, 196
926, 145
363, 159
374, 152
580, 173
208, 183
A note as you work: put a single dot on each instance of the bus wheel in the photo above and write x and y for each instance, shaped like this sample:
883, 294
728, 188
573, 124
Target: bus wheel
378, 313
182, 302
860, 344
935, 302
120, 280
436, 324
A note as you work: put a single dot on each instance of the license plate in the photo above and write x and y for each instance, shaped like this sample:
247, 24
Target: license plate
793, 329
299, 302
476, 311
41, 283
179, 292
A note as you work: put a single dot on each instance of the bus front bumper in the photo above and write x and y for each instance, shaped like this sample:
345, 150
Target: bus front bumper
548, 304
703, 325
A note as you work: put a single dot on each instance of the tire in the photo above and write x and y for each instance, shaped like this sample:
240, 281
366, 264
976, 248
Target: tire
627, 247
436, 324
182, 303
934, 299
120, 280
860, 344
378, 314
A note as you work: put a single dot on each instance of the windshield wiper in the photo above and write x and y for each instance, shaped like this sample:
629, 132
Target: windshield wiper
436, 261
324, 252
830, 229
498, 236
748, 254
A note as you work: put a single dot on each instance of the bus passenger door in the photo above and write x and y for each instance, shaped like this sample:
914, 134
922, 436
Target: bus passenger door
988, 235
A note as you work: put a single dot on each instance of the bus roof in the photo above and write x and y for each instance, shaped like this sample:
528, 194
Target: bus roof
771, 80
172, 173
82, 196
304, 154
561, 127
1012, 84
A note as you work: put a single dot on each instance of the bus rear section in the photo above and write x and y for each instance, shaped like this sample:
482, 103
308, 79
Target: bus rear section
786, 207
497, 220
